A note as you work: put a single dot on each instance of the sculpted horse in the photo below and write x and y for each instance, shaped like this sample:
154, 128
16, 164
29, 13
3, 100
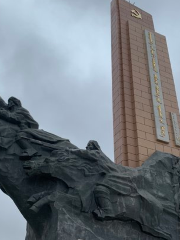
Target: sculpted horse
47, 176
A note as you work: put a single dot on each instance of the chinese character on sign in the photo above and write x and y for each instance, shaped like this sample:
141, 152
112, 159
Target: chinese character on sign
158, 100
160, 111
178, 139
157, 91
154, 64
161, 121
150, 38
163, 131
152, 51
160, 114
156, 79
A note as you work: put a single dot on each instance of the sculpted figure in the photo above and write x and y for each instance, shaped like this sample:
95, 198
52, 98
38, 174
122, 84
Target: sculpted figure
54, 184
110, 191
18, 119
23, 128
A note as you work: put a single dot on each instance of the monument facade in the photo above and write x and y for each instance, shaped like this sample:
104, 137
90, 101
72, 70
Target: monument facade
145, 108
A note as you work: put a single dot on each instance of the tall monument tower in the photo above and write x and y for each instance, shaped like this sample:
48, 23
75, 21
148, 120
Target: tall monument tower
145, 109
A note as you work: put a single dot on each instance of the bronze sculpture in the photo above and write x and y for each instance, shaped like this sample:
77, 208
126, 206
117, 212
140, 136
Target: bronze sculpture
54, 183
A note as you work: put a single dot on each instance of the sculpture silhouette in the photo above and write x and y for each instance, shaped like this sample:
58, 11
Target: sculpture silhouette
69, 193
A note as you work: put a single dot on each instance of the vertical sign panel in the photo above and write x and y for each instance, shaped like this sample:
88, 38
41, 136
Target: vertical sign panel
176, 129
156, 89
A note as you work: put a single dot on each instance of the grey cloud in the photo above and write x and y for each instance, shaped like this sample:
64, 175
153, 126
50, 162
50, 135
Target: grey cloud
56, 57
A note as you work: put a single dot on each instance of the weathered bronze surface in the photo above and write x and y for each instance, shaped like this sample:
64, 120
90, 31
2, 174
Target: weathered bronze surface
69, 193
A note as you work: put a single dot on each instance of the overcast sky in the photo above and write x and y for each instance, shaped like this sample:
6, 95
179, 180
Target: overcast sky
55, 55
